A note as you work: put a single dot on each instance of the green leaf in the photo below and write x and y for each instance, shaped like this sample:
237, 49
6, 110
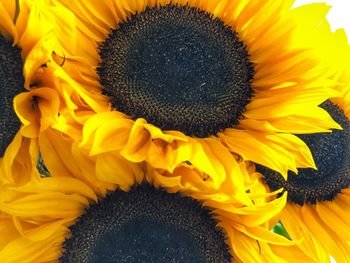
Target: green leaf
279, 229
42, 167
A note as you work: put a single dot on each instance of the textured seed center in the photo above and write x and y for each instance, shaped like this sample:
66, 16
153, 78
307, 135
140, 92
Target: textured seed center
331, 152
11, 83
179, 68
146, 225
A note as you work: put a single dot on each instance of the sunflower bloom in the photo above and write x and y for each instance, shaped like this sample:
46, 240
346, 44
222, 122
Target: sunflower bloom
28, 106
45, 220
153, 80
318, 200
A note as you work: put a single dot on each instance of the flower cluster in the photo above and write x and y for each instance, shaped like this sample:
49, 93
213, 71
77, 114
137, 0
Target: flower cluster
173, 131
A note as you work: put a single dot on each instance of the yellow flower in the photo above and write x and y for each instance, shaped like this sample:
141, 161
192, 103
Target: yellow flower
24, 52
11, 68
31, 106
318, 204
318, 200
44, 221
153, 80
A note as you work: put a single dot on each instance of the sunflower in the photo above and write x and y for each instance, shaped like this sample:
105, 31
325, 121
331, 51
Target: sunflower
61, 218
30, 105
11, 68
319, 200
27, 106
152, 80
242, 208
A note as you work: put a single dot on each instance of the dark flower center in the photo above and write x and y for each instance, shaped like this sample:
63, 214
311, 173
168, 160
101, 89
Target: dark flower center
146, 225
11, 83
331, 152
179, 68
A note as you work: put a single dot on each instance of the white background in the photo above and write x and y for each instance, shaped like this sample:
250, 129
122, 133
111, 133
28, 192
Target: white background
339, 15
